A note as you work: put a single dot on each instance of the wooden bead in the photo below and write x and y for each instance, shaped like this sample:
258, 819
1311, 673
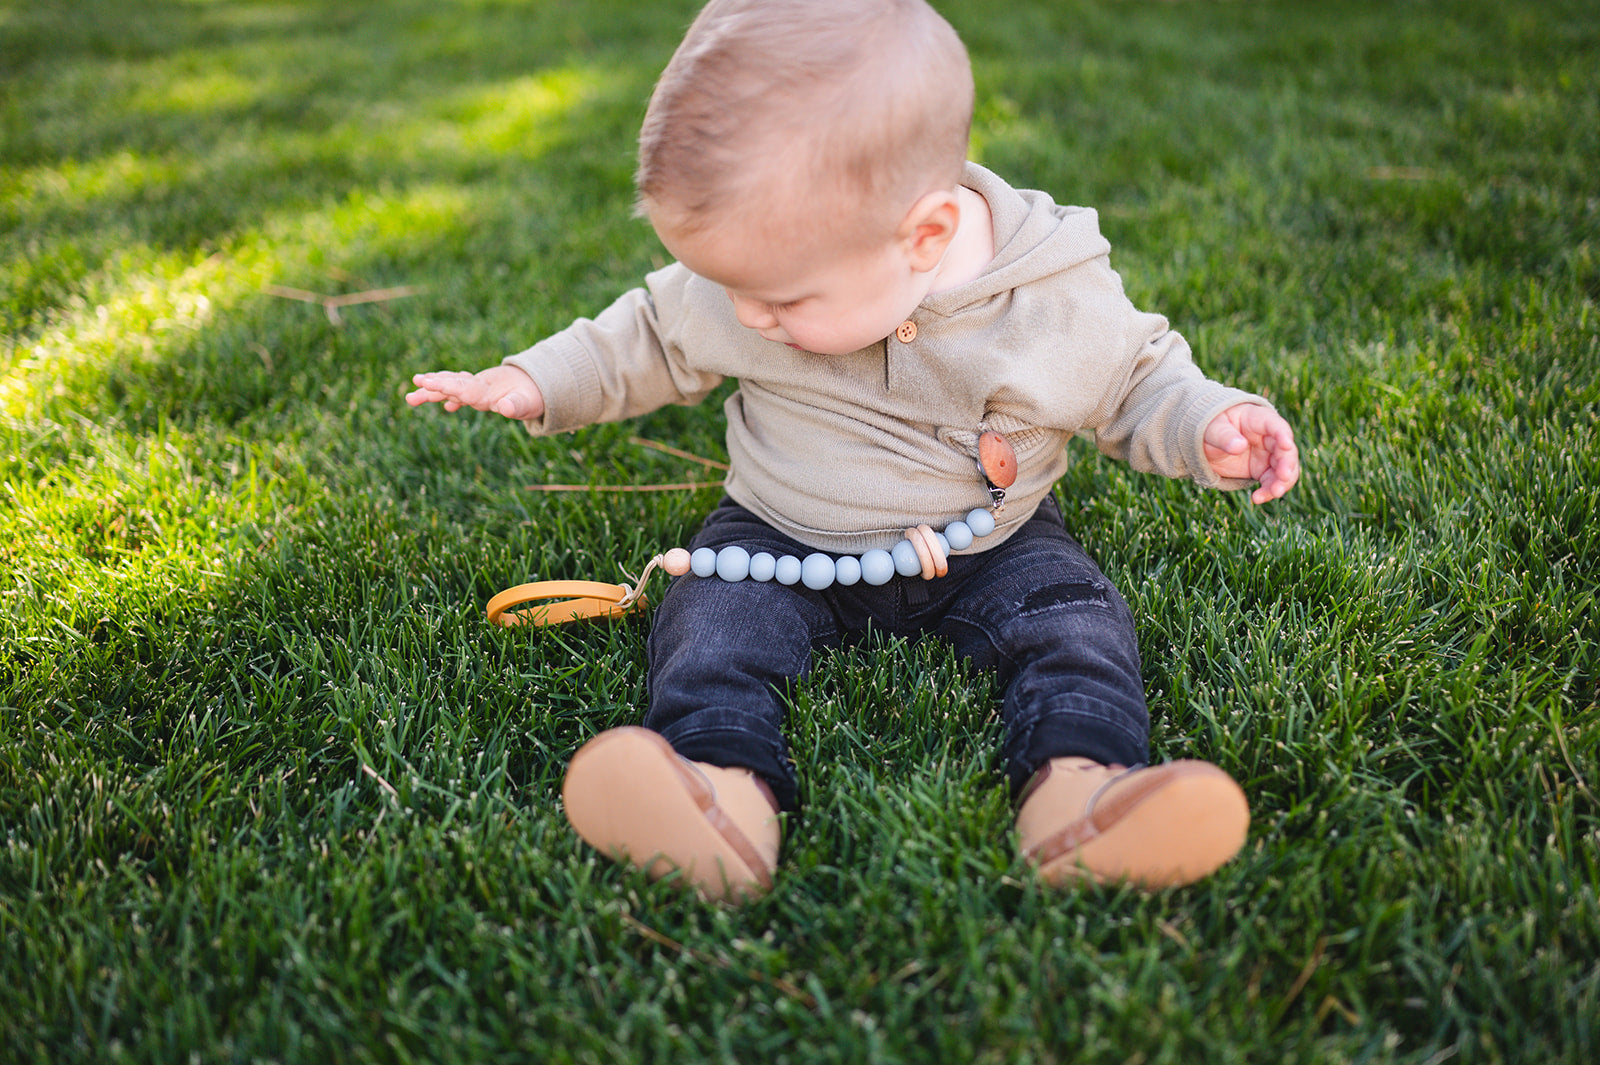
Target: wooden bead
923, 558
676, 562
929, 554
941, 562
997, 459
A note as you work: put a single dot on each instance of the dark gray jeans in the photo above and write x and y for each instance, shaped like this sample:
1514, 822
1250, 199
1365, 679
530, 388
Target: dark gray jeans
1035, 609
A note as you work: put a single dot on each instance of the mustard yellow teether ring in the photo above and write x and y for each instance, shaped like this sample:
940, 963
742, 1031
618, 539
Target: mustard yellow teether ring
568, 601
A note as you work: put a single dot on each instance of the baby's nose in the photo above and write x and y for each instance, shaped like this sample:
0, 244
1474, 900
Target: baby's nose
752, 314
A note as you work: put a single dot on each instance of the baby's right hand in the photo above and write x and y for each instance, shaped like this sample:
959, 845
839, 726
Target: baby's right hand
503, 389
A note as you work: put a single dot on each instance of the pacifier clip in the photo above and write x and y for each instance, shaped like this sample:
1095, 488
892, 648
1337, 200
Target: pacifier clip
922, 551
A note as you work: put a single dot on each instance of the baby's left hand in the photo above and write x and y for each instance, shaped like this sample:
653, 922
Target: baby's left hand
1254, 443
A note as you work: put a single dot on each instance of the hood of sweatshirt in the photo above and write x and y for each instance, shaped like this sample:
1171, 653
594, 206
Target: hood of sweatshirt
1034, 238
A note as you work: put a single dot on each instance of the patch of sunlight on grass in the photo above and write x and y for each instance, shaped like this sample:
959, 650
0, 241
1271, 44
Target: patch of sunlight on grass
155, 297
159, 300
71, 183
366, 225
150, 521
199, 92
518, 116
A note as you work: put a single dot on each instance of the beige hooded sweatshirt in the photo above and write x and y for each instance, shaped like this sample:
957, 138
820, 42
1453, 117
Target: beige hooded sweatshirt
843, 452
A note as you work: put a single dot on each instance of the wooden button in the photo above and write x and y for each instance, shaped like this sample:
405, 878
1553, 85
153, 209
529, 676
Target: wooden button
907, 331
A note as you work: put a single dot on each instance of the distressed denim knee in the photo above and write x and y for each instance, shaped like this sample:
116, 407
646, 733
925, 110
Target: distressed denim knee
1062, 641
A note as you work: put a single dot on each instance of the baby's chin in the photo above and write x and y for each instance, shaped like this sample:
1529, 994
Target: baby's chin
831, 349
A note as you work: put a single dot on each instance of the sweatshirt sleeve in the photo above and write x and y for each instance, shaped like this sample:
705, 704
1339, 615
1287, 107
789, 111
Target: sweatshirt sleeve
624, 362
1160, 422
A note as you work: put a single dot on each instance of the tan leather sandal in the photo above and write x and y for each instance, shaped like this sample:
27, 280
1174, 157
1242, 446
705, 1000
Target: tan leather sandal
1154, 826
635, 799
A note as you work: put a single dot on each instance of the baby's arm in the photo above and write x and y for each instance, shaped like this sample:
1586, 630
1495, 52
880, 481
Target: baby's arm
1254, 443
503, 389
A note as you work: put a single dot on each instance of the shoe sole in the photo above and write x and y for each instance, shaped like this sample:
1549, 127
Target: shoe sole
631, 797
1180, 832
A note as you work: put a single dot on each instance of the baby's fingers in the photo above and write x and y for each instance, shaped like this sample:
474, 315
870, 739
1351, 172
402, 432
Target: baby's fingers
450, 382
452, 388
432, 395
1270, 488
1282, 471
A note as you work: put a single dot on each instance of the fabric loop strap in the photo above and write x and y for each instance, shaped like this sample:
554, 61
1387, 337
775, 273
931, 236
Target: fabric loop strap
569, 601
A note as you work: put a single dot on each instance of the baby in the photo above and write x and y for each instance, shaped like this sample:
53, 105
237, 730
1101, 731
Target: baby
915, 341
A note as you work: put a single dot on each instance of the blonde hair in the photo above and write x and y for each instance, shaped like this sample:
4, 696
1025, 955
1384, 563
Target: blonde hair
866, 102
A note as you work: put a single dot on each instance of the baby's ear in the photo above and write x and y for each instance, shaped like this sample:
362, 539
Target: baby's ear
929, 227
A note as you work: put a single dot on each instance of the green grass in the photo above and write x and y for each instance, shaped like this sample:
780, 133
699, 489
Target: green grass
271, 789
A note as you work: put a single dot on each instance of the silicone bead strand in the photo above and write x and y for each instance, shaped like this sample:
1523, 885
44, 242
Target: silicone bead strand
923, 551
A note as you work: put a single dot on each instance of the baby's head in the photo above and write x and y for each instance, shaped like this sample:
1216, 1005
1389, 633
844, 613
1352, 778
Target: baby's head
802, 130
857, 106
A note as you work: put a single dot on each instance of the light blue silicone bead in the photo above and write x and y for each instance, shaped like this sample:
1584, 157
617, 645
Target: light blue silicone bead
816, 572
907, 562
981, 522
877, 567
847, 570
703, 562
762, 566
958, 534
944, 543
733, 563
788, 570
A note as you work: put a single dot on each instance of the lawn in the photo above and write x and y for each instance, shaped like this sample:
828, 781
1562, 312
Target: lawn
271, 788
